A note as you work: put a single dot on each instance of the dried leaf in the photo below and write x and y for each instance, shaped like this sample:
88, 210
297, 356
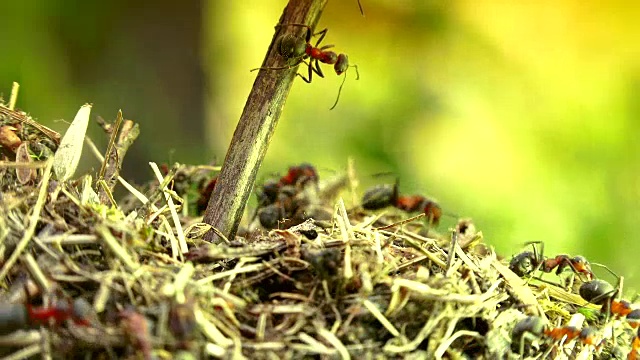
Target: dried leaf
24, 174
8, 138
67, 157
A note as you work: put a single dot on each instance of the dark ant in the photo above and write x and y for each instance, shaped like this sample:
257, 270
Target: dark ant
294, 47
24, 316
279, 199
533, 327
381, 196
205, 193
326, 262
527, 262
288, 205
297, 176
600, 292
182, 323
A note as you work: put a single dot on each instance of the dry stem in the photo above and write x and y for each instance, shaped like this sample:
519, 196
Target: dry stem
256, 127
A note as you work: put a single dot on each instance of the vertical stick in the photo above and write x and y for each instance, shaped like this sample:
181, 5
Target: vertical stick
14, 96
256, 126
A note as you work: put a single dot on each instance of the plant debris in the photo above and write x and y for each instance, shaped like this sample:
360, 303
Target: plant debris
84, 274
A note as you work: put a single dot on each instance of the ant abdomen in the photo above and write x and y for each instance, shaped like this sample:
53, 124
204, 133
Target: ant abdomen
291, 47
379, 197
12, 317
523, 264
597, 291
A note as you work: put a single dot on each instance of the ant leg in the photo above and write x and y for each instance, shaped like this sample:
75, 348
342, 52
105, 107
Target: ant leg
312, 69
357, 72
317, 69
336, 103
307, 80
361, 10
279, 67
322, 34
338, 98
535, 253
578, 265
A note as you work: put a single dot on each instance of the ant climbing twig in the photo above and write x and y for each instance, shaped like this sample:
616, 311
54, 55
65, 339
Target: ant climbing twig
299, 49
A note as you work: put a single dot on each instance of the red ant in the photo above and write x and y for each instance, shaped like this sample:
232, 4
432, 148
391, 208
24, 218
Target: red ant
527, 262
22, 316
294, 47
136, 327
535, 327
300, 175
381, 196
600, 292
635, 347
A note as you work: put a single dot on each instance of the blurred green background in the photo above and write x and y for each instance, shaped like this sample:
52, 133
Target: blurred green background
523, 115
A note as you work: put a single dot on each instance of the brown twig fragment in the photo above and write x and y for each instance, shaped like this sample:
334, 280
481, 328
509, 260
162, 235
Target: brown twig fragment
256, 126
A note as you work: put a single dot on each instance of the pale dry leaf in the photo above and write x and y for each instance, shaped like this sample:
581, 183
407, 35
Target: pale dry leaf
67, 157
24, 174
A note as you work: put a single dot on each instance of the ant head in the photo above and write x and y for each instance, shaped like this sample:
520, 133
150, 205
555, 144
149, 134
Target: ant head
633, 318
580, 264
433, 212
291, 47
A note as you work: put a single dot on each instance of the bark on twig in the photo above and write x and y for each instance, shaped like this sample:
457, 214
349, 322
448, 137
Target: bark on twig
256, 126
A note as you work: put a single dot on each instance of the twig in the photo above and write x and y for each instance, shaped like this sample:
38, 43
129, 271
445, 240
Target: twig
22, 117
381, 318
14, 95
256, 127
174, 214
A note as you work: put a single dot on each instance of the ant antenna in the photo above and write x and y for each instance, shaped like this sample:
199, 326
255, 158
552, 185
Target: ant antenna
343, 80
609, 270
361, 10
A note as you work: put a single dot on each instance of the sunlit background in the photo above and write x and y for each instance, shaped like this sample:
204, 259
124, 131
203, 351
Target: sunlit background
523, 115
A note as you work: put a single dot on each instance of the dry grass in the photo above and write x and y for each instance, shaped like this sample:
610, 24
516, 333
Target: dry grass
370, 285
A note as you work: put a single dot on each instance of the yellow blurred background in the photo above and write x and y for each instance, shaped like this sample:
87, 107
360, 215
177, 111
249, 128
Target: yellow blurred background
523, 115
